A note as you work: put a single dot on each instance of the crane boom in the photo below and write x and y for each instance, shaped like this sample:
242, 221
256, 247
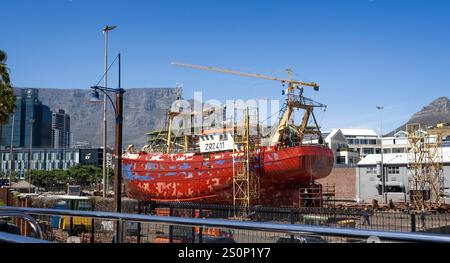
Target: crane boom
234, 72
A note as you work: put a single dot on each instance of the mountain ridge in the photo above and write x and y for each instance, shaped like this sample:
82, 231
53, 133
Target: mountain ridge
435, 112
144, 110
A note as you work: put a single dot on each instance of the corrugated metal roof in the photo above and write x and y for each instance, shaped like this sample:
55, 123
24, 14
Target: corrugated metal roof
397, 158
22, 185
330, 134
357, 132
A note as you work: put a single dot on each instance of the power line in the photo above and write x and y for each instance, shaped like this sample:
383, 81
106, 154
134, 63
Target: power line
107, 70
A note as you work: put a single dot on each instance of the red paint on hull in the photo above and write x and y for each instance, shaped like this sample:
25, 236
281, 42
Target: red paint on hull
191, 177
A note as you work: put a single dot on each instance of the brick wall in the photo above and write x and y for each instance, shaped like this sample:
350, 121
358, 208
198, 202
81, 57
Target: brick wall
6, 196
345, 181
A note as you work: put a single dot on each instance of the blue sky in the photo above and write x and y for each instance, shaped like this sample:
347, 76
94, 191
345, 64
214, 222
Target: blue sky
364, 53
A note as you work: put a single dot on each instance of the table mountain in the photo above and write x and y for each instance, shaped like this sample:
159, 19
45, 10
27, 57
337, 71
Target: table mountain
436, 112
144, 110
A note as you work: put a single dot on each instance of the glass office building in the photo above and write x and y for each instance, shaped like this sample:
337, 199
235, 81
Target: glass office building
13, 129
30, 114
48, 159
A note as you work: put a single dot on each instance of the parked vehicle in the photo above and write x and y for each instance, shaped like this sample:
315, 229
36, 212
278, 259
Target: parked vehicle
79, 224
301, 239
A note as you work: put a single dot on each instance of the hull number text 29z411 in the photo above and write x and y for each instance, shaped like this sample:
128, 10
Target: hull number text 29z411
214, 146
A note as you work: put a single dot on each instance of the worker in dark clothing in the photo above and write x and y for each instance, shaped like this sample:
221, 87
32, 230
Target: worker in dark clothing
423, 214
366, 217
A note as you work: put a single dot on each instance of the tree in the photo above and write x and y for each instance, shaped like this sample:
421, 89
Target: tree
85, 174
7, 98
48, 179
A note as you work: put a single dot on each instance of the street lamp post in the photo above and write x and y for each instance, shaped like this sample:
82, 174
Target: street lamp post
118, 110
383, 178
30, 154
105, 122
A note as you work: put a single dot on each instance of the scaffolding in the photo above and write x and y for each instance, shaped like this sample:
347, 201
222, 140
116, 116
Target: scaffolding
317, 195
245, 159
425, 167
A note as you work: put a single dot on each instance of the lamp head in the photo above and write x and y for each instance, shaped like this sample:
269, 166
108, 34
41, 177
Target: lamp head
109, 28
94, 96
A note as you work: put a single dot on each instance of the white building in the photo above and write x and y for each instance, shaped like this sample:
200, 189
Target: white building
398, 143
368, 177
350, 145
343, 155
363, 141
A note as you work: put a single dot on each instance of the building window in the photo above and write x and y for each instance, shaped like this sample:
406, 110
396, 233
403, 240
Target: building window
340, 159
395, 189
394, 170
398, 150
371, 170
368, 151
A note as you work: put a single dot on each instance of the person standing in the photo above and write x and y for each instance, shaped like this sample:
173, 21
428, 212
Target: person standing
366, 217
423, 214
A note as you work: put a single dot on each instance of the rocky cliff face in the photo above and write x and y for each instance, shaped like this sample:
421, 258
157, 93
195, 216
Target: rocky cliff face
436, 112
144, 110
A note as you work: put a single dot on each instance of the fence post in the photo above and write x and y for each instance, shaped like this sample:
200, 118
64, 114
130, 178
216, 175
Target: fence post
200, 230
92, 230
120, 225
291, 217
170, 227
139, 223
71, 206
413, 222
193, 228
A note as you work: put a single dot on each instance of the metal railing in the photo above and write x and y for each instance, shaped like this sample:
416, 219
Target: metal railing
399, 221
11, 238
251, 227
27, 218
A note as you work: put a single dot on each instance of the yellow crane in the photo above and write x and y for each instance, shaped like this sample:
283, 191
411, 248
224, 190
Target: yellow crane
293, 102
293, 83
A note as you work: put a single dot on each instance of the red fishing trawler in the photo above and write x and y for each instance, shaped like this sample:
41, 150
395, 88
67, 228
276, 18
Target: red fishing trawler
228, 166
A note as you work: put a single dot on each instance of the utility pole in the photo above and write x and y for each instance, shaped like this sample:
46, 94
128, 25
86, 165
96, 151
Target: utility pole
383, 177
105, 123
11, 168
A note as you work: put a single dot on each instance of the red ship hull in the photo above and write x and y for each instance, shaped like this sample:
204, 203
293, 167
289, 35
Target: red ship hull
193, 177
